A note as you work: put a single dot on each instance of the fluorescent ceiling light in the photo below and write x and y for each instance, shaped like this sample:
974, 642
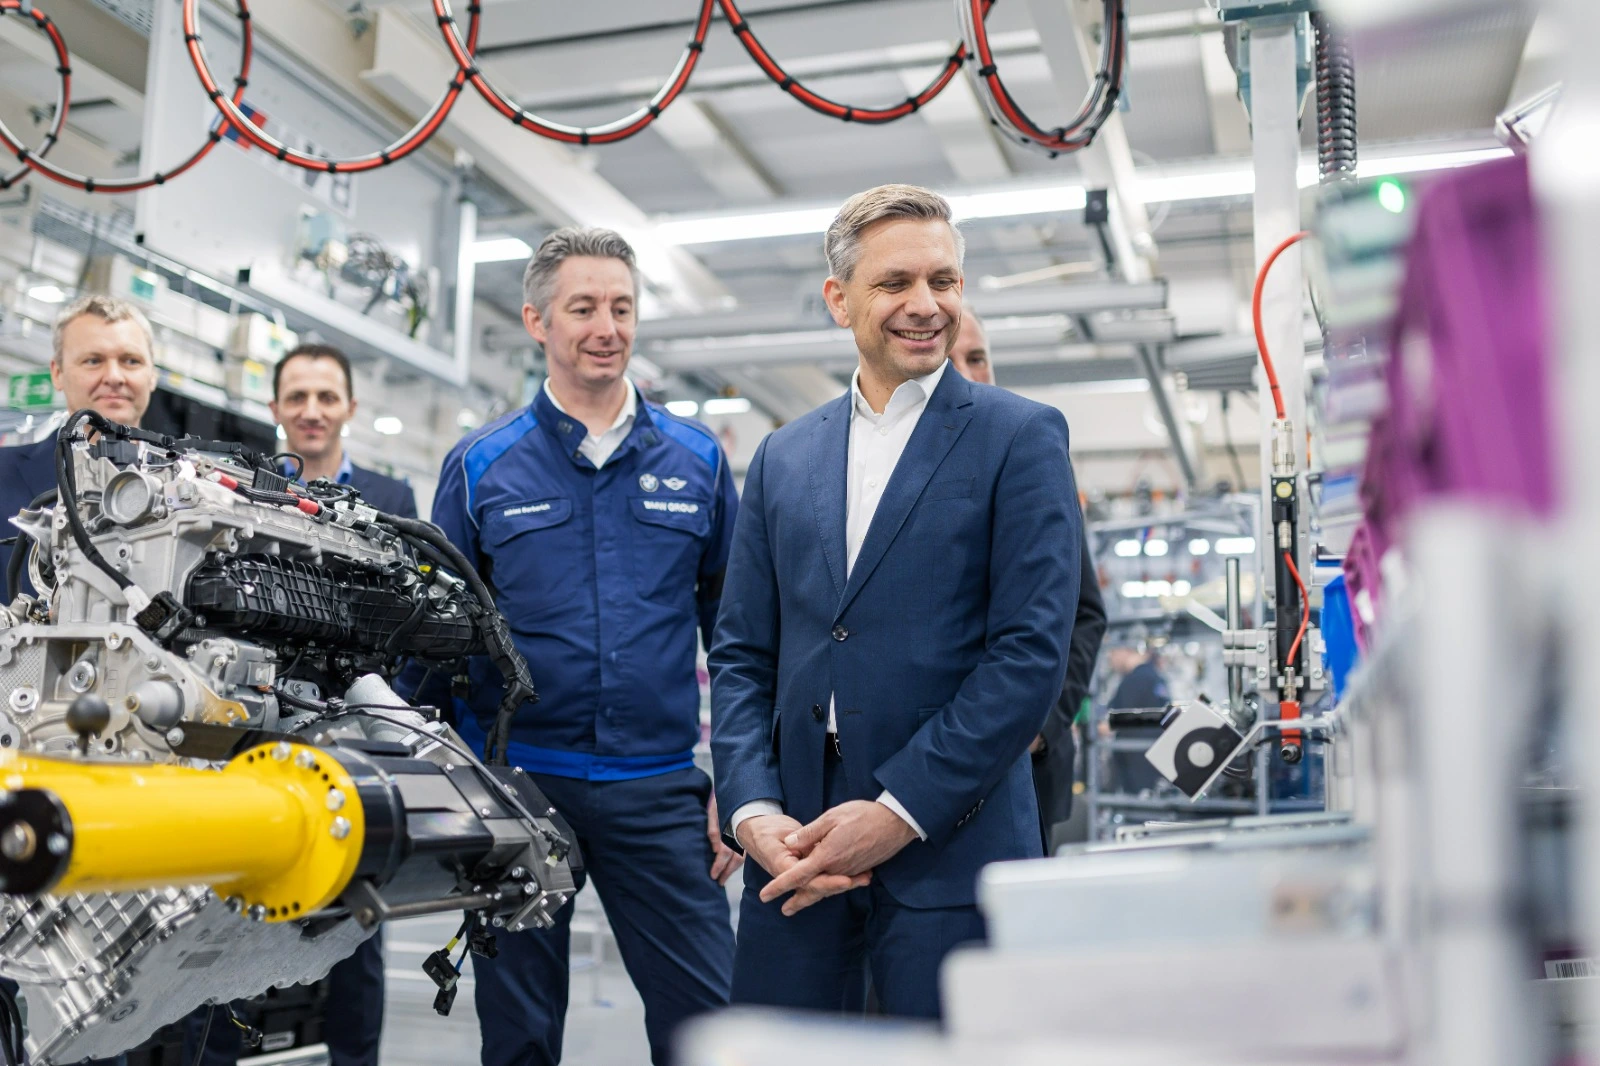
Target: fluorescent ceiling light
500, 249
1181, 588
1156, 185
1155, 546
467, 418
1132, 590
734, 405
1199, 546
1235, 545
683, 408
1127, 549
388, 425
47, 293
1158, 588
280, 434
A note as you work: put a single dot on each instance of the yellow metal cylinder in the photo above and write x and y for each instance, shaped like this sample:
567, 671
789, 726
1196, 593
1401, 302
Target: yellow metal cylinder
280, 826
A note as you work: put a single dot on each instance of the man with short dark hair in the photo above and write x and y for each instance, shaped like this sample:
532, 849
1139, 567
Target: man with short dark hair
899, 600
602, 522
313, 399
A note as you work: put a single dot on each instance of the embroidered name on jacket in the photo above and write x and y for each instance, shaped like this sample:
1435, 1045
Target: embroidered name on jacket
532, 508
671, 505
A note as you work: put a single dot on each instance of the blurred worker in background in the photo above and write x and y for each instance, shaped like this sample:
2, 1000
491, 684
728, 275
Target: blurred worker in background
894, 632
313, 400
1141, 687
1055, 749
103, 357
602, 523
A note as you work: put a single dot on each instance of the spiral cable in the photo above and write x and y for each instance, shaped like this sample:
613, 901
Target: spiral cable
1336, 103
1008, 116
236, 123
63, 86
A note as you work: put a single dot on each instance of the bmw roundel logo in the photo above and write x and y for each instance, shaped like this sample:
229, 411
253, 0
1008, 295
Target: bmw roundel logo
648, 482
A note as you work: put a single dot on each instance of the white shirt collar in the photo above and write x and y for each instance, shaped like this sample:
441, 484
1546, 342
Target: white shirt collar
630, 406
911, 392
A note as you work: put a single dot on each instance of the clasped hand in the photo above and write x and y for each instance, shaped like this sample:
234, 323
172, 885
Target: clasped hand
833, 854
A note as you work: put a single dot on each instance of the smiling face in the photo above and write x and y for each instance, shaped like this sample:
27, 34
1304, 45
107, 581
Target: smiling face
903, 300
106, 366
313, 405
587, 331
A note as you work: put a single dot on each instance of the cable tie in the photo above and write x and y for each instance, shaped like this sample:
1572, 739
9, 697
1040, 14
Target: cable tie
333, 168
655, 112
472, 71
283, 152
988, 71
739, 27
474, 8
160, 178
241, 82
216, 135
88, 185
384, 155
696, 46
786, 83
22, 154
916, 105
446, 20
214, 94
244, 16
190, 38
65, 72
849, 114
583, 138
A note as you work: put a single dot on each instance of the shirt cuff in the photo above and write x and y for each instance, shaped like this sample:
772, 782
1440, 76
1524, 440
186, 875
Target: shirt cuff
894, 805
753, 809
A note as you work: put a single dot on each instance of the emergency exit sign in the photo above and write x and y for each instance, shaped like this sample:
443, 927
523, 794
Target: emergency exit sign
31, 391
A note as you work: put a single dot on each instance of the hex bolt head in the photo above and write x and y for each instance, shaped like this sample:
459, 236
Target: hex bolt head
281, 750
234, 904
518, 873
258, 912
174, 735
340, 828
449, 766
303, 759
483, 811
335, 799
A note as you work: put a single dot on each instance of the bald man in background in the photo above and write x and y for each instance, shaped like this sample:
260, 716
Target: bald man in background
1055, 750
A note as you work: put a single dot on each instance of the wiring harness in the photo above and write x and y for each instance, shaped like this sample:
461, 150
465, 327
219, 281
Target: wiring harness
235, 122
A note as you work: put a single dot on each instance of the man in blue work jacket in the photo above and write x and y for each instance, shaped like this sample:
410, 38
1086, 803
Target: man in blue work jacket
602, 523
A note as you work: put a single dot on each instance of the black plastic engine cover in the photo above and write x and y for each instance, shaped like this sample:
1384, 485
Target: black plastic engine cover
348, 606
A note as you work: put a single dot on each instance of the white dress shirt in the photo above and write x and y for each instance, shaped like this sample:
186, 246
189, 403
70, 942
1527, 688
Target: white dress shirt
876, 443
598, 449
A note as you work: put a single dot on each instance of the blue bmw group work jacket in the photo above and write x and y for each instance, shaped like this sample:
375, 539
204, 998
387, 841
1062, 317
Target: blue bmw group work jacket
603, 576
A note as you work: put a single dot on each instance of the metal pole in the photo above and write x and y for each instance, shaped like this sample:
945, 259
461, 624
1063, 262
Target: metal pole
466, 285
1235, 620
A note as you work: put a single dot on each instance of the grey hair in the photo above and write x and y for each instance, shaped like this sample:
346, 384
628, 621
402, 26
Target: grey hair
109, 309
842, 243
539, 279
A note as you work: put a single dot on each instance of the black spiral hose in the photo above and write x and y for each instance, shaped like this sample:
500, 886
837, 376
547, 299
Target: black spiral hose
1336, 103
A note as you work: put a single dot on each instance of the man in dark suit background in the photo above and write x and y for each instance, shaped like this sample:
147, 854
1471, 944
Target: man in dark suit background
313, 399
1055, 749
893, 634
102, 358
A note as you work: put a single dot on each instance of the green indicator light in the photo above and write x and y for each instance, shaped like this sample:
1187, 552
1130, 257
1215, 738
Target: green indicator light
1391, 196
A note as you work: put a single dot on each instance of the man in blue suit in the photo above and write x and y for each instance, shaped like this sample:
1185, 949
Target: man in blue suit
893, 633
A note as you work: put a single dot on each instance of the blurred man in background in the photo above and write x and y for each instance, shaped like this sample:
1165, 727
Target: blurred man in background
1141, 687
1055, 750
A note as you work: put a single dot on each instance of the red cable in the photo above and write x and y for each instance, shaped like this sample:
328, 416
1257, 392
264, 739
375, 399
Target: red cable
1261, 332
1305, 610
63, 86
833, 109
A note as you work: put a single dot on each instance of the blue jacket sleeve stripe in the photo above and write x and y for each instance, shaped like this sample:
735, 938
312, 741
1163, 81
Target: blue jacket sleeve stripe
485, 450
699, 441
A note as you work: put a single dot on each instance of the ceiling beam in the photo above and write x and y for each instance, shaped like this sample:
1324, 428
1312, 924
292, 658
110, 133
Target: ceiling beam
966, 137
694, 128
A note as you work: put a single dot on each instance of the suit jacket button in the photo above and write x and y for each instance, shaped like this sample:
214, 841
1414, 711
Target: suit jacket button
840, 632
817, 712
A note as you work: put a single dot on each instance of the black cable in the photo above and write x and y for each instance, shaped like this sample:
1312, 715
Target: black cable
67, 482
299, 463
205, 1034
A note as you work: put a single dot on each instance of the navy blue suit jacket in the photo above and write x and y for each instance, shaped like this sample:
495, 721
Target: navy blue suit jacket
387, 494
25, 471
945, 647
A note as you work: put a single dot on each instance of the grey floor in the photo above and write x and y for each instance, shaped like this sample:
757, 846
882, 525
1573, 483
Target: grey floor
605, 1021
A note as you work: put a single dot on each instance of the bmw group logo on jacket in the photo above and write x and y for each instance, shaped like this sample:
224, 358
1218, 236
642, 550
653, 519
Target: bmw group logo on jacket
603, 575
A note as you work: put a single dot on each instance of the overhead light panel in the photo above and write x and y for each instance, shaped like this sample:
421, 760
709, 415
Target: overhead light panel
1181, 588
1133, 590
388, 425
726, 405
1235, 545
500, 250
1199, 546
683, 408
1127, 549
1155, 547
47, 293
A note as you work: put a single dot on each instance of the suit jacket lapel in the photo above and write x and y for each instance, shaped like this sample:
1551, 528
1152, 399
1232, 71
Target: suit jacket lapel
828, 476
942, 422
